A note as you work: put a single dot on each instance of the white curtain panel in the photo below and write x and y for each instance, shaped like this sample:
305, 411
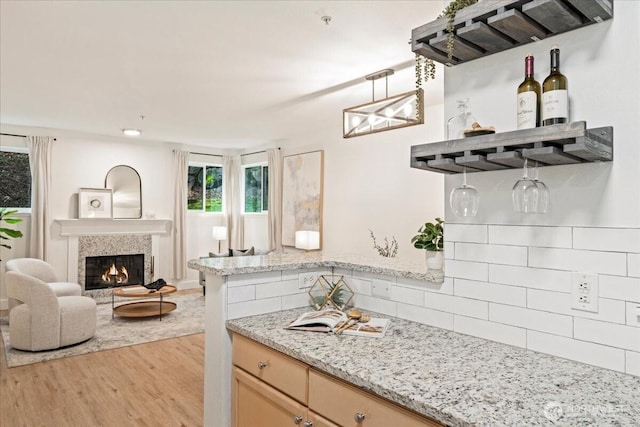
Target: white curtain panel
40, 148
181, 168
274, 162
233, 201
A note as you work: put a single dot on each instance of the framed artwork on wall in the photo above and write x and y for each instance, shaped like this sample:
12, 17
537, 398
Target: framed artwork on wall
95, 203
302, 180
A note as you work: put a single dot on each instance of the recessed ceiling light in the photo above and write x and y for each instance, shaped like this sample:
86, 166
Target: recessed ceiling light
132, 132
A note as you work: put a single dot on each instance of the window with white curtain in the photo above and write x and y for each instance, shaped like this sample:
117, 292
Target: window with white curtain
255, 188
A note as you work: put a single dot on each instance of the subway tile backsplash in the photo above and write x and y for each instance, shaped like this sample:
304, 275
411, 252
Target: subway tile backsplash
510, 284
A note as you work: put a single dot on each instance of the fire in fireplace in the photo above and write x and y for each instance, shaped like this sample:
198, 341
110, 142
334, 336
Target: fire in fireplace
113, 270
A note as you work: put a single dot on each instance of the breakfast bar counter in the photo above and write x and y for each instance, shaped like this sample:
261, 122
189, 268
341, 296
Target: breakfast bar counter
457, 379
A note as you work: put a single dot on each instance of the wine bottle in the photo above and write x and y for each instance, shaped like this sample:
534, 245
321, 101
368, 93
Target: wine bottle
528, 98
555, 94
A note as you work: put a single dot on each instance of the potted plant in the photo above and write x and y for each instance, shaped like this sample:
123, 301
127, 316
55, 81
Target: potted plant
6, 215
430, 238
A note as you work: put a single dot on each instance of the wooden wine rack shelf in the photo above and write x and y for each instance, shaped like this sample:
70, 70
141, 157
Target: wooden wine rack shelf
491, 26
561, 144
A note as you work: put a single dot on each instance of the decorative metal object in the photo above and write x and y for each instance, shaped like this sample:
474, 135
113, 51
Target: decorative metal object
327, 292
406, 109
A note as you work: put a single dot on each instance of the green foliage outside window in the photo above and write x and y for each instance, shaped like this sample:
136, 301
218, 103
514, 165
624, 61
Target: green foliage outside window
204, 188
256, 190
15, 180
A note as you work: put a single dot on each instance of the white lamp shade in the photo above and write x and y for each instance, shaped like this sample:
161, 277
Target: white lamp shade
307, 240
220, 233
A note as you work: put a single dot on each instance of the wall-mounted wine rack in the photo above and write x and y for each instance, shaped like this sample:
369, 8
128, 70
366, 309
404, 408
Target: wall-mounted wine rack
561, 144
491, 26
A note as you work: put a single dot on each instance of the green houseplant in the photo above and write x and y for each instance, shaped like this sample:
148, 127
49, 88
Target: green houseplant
430, 238
6, 215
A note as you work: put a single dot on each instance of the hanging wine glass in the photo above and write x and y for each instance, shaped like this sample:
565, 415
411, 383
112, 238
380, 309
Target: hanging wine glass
464, 199
525, 193
543, 192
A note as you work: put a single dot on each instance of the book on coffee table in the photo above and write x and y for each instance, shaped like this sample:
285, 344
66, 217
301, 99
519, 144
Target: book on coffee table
331, 320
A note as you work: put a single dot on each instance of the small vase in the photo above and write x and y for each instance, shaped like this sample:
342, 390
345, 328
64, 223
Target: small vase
435, 260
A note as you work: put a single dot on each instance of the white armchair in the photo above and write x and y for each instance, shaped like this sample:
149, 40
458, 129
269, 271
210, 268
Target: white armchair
43, 271
44, 321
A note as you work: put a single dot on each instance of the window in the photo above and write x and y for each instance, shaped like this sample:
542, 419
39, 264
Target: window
15, 179
204, 188
256, 188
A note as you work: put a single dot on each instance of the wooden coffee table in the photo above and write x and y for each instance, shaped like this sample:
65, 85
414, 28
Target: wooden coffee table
142, 308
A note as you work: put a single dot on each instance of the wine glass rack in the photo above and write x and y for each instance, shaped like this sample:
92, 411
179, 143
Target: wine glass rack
491, 26
567, 143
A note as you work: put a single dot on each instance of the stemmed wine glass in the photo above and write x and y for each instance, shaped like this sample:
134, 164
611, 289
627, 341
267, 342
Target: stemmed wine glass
530, 195
464, 199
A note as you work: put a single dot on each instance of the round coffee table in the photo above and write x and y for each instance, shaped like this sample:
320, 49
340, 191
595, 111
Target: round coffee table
143, 308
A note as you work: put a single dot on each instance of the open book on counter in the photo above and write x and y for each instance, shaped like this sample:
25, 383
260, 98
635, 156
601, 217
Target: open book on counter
330, 320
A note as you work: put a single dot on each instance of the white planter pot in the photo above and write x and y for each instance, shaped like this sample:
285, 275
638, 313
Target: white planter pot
435, 260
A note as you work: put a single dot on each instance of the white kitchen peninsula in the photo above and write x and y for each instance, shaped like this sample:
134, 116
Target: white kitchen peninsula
244, 286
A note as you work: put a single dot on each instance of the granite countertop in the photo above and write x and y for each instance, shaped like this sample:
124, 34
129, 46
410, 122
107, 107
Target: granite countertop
457, 379
277, 262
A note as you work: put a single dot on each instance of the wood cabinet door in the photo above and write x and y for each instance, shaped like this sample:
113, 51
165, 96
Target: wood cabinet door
256, 404
318, 421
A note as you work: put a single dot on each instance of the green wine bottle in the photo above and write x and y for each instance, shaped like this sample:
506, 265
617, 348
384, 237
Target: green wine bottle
555, 93
528, 98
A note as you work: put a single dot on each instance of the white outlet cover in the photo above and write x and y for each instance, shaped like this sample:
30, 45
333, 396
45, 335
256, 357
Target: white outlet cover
584, 285
307, 279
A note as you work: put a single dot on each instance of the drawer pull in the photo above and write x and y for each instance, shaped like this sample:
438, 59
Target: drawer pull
359, 417
308, 424
262, 365
297, 419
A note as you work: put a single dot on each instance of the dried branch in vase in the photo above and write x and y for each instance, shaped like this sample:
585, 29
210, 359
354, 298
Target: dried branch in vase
389, 250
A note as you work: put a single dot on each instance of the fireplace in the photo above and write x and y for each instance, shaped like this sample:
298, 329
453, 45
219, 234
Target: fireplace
113, 270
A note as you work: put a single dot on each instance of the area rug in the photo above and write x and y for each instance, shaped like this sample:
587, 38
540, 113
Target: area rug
186, 319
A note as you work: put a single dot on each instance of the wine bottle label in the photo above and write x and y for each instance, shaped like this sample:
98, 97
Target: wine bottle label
527, 110
555, 104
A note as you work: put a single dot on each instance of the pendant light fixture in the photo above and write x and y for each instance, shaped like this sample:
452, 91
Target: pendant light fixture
392, 112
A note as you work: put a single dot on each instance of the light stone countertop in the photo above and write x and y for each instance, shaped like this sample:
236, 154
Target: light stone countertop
457, 379
278, 262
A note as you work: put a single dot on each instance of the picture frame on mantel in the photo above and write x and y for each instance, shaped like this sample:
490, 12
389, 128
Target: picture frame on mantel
302, 182
95, 203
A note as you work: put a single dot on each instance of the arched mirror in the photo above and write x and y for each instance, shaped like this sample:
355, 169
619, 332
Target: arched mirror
127, 191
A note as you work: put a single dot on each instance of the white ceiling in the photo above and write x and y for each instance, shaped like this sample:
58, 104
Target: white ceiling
227, 74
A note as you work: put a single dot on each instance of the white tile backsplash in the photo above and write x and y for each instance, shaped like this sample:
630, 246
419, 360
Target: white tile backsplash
607, 239
445, 287
407, 295
251, 308
466, 270
512, 295
581, 351
578, 260
633, 314
621, 336
633, 265
536, 278
254, 278
490, 330
495, 254
633, 363
457, 305
272, 289
380, 305
617, 287
241, 293
543, 321
545, 237
427, 316
465, 233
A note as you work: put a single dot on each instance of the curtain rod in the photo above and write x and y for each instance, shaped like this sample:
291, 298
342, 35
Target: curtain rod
218, 155
19, 136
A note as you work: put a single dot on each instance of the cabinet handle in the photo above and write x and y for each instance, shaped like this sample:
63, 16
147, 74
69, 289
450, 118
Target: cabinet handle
297, 419
308, 424
262, 365
359, 417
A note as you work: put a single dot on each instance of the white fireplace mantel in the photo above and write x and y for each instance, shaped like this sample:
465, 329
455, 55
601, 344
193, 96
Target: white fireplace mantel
98, 226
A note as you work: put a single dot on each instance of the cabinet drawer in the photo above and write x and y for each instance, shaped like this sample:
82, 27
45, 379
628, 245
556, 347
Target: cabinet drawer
281, 371
341, 403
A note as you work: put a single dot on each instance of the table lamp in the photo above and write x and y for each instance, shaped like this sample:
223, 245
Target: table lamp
219, 234
307, 240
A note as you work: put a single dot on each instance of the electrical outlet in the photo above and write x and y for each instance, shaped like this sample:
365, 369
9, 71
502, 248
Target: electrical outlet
381, 288
306, 280
584, 292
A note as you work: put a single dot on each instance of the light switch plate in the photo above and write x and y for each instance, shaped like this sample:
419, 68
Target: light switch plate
381, 288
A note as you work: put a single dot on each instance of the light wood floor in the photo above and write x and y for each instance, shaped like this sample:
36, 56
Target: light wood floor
154, 384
